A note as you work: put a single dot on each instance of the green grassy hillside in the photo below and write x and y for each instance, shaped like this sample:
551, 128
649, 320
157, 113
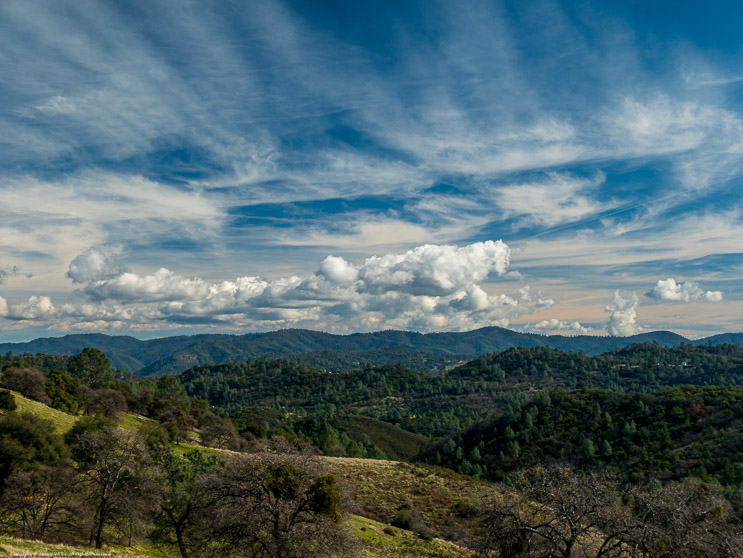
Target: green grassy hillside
446, 501
62, 421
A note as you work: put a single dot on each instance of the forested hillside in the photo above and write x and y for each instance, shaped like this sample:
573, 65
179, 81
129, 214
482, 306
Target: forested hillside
439, 405
421, 352
669, 434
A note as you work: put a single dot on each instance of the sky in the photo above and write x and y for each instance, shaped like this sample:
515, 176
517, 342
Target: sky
216, 166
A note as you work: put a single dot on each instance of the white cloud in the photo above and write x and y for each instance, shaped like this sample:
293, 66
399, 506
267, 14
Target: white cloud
3, 307
668, 289
338, 270
559, 198
558, 325
435, 270
93, 264
623, 319
162, 285
429, 287
35, 309
545, 303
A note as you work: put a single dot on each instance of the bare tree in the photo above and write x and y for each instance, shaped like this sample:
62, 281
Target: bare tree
106, 402
277, 507
549, 512
29, 382
35, 503
686, 519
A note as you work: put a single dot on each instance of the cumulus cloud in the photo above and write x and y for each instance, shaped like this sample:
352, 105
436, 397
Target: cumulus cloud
3, 307
525, 294
162, 285
92, 265
427, 288
689, 291
36, 308
558, 325
338, 270
435, 270
623, 319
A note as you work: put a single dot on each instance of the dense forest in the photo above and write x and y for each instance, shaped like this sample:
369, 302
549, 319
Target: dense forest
676, 432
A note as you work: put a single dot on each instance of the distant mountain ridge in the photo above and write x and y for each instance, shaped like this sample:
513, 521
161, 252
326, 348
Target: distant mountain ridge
418, 351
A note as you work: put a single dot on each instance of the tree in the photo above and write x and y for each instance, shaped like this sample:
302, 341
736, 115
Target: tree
7, 401
35, 502
277, 507
64, 392
106, 402
29, 382
182, 497
550, 512
219, 433
110, 462
686, 519
168, 387
555, 512
92, 368
27, 441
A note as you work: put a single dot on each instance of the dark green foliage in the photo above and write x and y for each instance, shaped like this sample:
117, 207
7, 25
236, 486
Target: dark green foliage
324, 496
439, 405
64, 392
7, 401
669, 434
168, 387
641, 367
419, 403
92, 368
257, 430
27, 441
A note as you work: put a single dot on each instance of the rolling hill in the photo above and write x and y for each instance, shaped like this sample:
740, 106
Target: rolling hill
417, 351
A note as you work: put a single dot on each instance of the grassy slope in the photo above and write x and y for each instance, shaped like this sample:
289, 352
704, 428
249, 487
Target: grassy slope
62, 421
10, 546
380, 540
447, 501
377, 540
395, 442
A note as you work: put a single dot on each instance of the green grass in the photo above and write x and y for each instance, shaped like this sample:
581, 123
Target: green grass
62, 421
395, 442
12, 547
447, 501
379, 540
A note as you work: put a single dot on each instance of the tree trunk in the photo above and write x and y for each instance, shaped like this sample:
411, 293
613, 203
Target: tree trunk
181, 543
99, 529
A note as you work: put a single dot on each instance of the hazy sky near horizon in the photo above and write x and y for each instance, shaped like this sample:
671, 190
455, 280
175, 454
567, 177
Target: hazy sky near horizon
552, 167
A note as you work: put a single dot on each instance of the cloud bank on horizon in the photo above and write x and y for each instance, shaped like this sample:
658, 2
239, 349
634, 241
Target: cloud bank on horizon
184, 168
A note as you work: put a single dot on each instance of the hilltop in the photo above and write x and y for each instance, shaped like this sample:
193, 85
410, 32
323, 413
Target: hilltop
423, 352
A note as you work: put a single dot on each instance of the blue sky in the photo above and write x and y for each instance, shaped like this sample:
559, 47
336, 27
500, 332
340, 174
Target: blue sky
554, 167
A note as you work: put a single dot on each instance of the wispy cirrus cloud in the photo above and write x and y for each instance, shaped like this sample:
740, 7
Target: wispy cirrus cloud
154, 142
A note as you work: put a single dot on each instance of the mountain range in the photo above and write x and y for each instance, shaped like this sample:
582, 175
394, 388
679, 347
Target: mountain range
424, 352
